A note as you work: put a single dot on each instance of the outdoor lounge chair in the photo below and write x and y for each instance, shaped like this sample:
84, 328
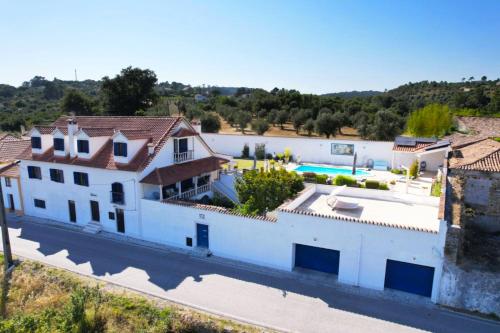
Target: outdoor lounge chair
334, 202
380, 165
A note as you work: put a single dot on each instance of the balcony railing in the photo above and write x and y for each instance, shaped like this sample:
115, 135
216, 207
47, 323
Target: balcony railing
184, 156
192, 192
117, 198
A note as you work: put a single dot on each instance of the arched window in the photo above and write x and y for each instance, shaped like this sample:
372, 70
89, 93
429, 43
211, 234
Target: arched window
117, 195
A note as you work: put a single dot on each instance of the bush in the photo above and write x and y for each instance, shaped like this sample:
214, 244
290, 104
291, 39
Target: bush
383, 186
397, 171
373, 184
434, 120
245, 153
321, 179
309, 177
414, 169
269, 156
260, 126
342, 180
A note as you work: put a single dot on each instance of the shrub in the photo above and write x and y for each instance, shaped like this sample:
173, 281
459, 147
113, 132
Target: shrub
397, 171
383, 186
245, 153
342, 180
309, 176
260, 151
373, 184
260, 126
414, 169
269, 156
321, 179
288, 154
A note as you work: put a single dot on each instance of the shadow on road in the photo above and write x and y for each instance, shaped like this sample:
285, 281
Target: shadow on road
167, 270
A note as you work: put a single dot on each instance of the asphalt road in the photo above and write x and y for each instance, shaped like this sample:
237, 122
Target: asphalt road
281, 302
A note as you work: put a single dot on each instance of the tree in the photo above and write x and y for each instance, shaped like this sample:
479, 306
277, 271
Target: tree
299, 119
282, 117
243, 119
434, 120
77, 102
52, 90
260, 126
386, 125
327, 124
271, 116
362, 123
130, 91
210, 123
341, 120
484, 78
265, 191
309, 126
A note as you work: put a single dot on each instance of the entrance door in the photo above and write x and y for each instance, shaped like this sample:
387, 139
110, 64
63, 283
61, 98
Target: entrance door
202, 235
94, 209
120, 220
11, 203
72, 210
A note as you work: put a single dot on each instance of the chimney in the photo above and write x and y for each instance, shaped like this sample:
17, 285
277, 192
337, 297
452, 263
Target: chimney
72, 129
151, 149
196, 125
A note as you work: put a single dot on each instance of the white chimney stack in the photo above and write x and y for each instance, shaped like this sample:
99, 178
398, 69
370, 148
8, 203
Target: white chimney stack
72, 129
151, 149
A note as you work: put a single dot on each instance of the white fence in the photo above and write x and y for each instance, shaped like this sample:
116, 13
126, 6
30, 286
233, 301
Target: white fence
309, 149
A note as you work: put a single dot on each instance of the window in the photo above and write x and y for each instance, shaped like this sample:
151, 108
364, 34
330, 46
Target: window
58, 144
83, 146
117, 195
34, 172
111, 215
120, 149
39, 203
57, 175
81, 178
7, 182
36, 142
189, 241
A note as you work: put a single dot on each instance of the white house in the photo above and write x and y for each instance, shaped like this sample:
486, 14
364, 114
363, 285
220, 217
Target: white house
88, 170
133, 175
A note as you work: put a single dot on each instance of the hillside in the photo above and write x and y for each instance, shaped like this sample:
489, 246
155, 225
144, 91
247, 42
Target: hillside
371, 114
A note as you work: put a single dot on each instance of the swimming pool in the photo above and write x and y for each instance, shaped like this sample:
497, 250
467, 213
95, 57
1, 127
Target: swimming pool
331, 171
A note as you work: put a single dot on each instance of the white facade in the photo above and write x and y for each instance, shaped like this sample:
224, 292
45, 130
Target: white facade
313, 150
364, 248
14, 191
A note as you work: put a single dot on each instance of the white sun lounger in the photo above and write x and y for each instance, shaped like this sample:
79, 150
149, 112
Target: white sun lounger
334, 202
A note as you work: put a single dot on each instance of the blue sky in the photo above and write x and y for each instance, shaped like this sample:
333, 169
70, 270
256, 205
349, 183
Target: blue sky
312, 46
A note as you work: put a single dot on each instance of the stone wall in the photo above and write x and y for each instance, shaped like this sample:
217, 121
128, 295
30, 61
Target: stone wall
471, 278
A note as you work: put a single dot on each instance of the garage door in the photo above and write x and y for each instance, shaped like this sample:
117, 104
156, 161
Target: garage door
317, 258
411, 278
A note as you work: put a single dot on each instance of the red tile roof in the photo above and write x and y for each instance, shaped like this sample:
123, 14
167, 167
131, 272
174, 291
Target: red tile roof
97, 131
8, 137
411, 149
50, 129
158, 128
183, 132
11, 171
10, 149
179, 172
480, 156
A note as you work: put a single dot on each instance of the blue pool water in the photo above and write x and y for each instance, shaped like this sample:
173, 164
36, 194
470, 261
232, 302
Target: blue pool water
322, 170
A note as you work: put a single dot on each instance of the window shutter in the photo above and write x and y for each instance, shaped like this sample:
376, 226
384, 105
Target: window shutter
124, 149
116, 149
75, 177
30, 172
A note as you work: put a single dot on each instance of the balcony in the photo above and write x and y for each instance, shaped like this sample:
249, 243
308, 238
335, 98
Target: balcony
117, 198
191, 193
183, 156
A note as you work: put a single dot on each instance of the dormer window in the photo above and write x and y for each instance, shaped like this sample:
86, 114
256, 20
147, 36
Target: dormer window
58, 144
36, 142
120, 149
83, 146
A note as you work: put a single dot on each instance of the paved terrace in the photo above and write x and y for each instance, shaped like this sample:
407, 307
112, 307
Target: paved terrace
393, 209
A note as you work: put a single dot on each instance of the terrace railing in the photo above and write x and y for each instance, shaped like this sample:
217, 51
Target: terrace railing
184, 156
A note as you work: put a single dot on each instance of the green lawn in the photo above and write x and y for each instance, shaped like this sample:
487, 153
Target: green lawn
246, 164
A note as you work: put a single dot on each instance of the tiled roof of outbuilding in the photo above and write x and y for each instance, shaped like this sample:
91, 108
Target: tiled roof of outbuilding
11, 171
480, 156
10, 149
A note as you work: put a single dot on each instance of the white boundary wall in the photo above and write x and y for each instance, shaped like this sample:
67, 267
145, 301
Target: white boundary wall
364, 248
310, 149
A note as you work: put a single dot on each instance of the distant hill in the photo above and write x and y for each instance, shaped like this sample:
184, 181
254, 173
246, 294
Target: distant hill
354, 94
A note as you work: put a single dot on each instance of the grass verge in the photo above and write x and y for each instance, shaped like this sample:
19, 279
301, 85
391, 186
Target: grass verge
38, 298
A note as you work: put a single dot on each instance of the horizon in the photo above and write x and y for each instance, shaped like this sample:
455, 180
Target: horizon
325, 48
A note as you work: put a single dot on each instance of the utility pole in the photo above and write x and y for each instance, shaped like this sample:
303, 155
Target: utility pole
7, 252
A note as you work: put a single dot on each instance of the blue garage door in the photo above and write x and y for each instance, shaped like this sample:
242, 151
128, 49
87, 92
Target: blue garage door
317, 258
411, 278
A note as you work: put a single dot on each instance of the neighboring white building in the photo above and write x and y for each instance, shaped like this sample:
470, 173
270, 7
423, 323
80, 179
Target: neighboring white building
429, 153
88, 170
200, 98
